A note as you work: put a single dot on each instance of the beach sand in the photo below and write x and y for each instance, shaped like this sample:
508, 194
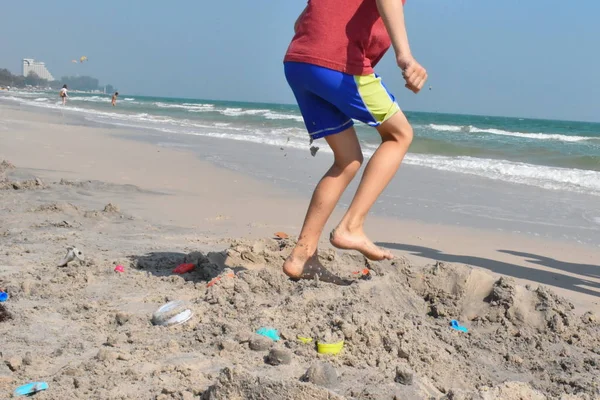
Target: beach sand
530, 304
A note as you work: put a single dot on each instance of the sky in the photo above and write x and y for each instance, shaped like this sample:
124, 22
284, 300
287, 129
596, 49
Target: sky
533, 58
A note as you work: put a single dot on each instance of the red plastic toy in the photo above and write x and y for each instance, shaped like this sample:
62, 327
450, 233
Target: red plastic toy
184, 268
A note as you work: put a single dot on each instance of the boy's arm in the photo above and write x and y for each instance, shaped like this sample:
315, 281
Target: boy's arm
392, 13
298, 20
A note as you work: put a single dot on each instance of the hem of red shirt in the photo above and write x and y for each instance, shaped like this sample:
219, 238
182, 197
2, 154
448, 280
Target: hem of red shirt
345, 68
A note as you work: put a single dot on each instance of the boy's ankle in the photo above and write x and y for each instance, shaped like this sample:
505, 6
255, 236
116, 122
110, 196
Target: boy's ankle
350, 226
303, 251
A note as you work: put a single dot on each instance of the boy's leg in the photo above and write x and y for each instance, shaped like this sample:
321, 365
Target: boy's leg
303, 261
396, 134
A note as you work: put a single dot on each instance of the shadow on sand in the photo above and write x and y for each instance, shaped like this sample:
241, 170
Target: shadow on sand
211, 265
208, 266
549, 278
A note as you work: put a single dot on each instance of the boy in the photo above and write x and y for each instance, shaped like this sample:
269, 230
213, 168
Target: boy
114, 98
329, 67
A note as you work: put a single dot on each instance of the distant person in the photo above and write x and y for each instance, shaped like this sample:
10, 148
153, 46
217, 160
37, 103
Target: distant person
63, 94
114, 98
329, 67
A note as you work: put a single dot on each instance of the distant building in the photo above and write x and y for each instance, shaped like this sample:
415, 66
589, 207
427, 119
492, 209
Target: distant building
30, 65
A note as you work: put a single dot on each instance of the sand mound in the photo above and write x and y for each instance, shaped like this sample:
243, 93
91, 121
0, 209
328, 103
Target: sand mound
99, 186
238, 384
5, 166
4, 313
11, 184
401, 318
66, 208
21, 185
72, 210
109, 210
505, 391
464, 293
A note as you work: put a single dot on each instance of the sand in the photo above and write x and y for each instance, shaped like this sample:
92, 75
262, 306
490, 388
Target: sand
87, 331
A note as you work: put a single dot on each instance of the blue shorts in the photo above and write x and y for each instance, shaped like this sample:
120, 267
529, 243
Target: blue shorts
330, 100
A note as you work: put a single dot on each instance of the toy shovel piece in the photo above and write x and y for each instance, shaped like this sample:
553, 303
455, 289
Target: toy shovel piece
30, 389
72, 254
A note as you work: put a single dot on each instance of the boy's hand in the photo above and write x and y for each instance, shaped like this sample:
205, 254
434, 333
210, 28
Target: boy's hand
414, 74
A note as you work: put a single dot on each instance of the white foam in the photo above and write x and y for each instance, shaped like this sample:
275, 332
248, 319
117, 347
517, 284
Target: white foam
192, 107
556, 178
93, 99
13, 98
274, 115
29, 94
237, 112
446, 128
265, 113
538, 136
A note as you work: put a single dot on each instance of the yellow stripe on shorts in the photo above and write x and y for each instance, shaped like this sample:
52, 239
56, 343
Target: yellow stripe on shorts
376, 98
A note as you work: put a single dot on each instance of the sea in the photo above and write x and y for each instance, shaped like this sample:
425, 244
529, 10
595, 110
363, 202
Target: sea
550, 154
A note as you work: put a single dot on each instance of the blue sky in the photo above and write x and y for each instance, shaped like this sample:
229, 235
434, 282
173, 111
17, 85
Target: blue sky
534, 58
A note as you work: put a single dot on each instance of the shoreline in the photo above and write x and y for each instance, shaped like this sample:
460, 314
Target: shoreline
417, 193
477, 147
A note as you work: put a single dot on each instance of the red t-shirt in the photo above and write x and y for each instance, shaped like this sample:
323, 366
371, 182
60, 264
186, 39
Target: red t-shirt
343, 35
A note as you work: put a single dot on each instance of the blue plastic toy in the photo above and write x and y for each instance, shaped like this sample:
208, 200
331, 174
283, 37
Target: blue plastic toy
3, 296
270, 333
30, 388
456, 326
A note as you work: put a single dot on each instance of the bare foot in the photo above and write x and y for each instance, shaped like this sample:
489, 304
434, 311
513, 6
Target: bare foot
343, 239
298, 267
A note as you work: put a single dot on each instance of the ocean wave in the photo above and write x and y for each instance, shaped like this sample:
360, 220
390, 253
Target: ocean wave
274, 115
556, 178
448, 128
28, 94
265, 113
198, 105
93, 99
192, 107
92, 112
12, 98
230, 111
540, 136
156, 122
238, 112
537, 136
